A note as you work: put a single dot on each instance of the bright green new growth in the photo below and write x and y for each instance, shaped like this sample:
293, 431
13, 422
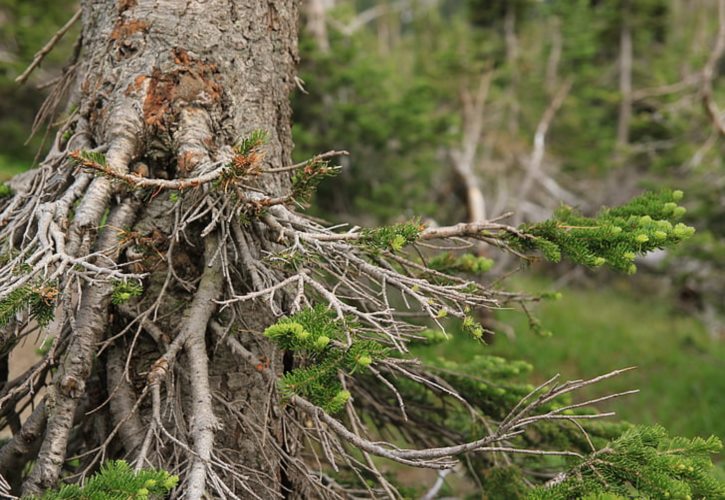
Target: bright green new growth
393, 237
117, 481
474, 328
314, 332
644, 462
615, 236
123, 291
40, 301
467, 263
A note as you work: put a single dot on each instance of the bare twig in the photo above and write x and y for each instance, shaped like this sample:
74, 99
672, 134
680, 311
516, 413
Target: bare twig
40, 55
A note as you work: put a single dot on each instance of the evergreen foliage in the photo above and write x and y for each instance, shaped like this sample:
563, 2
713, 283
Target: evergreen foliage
123, 291
466, 263
38, 300
393, 237
252, 142
84, 156
644, 462
315, 333
306, 179
118, 481
615, 236
247, 156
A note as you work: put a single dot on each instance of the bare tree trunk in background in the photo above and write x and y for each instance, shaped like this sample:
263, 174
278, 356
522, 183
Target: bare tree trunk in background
464, 158
552, 63
164, 89
512, 56
625, 80
317, 23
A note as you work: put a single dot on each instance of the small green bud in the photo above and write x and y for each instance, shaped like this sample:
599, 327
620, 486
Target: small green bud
677, 195
552, 295
631, 269
670, 207
170, 482
645, 219
660, 235
398, 242
364, 360
322, 341
679, 211
641, 238
150, 483
629, 255
665, 225
343, 397
599, 261
616, 230
302, 335
683, 231
442, 313
143, 492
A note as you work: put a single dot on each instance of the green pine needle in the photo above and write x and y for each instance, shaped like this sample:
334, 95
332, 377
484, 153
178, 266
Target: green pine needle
614, 237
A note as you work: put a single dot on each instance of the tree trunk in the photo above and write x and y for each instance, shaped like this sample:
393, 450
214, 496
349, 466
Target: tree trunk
625, 80
164, 89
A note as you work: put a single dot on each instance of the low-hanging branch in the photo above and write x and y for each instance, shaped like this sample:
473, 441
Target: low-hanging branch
218, 170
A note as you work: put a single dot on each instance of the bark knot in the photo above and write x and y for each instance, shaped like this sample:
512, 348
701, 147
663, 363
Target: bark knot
72, 386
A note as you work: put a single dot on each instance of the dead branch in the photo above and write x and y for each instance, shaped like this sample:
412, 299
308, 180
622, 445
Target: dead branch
40, 55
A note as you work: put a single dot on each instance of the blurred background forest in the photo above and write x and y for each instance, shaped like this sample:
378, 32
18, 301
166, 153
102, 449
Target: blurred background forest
470, 109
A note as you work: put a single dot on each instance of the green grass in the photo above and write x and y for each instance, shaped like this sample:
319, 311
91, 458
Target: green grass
681, 372
10, 167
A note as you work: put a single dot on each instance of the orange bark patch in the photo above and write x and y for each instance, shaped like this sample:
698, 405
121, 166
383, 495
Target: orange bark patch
187, 161
136, 86
123, 30
181, 57
193, 81
138, 82
124, 5
159, 96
